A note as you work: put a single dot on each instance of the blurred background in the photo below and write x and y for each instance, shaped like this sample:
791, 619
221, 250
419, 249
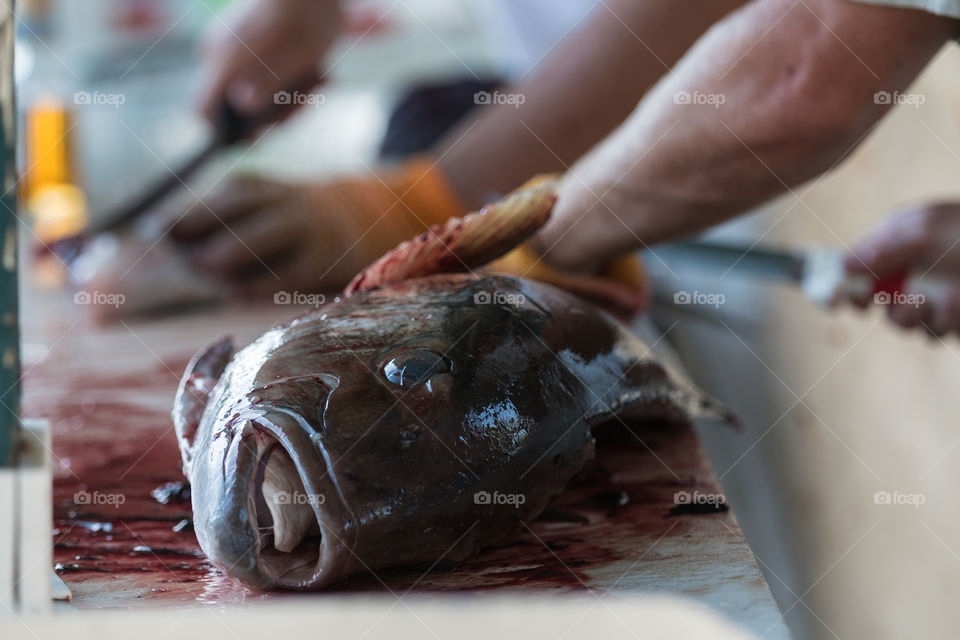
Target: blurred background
107, 89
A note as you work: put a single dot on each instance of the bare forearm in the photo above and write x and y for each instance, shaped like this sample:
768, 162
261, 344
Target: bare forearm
586, 86
779, 92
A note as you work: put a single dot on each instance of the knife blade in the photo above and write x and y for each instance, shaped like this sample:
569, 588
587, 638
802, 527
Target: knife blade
819, 272
230, 128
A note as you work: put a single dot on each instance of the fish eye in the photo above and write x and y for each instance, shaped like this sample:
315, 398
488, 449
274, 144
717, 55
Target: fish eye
410, 368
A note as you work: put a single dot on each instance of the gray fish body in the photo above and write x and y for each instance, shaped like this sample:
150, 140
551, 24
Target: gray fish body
413, 423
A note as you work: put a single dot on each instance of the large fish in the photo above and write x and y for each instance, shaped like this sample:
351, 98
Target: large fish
420, 417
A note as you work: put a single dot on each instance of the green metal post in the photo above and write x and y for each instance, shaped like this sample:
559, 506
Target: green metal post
9, 324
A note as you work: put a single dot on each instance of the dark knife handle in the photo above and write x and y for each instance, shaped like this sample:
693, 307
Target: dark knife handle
231, 127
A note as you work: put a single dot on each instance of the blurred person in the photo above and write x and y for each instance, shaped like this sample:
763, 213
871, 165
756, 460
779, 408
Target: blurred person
777, 93
262, 235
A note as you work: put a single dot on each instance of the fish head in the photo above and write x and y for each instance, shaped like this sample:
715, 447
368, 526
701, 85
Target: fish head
441, 409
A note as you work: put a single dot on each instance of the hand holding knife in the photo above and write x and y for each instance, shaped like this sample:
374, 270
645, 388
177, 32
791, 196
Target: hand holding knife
230, 128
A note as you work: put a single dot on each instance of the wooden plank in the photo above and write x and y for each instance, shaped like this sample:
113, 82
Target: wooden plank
35, 520
8, 546
387, 618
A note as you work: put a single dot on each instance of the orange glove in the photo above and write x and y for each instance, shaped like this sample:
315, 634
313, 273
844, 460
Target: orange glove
621, 285
262, 236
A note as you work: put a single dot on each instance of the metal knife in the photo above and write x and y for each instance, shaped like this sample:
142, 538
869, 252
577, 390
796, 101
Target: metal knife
229, 129
819, 272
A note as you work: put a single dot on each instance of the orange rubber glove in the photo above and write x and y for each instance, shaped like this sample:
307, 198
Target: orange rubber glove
261, 236
620, 286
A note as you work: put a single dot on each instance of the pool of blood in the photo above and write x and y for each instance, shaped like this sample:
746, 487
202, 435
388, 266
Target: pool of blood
123, 535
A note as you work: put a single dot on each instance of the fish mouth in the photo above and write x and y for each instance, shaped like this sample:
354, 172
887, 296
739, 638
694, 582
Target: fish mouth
277, 519
285, 516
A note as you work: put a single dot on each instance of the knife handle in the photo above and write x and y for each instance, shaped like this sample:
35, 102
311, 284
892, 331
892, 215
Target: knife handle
827, 281
915, 288
231, 126
931, 286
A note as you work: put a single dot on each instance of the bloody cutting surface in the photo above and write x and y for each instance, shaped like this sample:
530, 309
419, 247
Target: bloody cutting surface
124, 527
615, 528
611, 530
122, 515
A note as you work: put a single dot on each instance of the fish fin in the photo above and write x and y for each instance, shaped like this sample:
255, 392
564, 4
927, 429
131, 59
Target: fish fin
674, 399
202, 373
649, 387
464, 244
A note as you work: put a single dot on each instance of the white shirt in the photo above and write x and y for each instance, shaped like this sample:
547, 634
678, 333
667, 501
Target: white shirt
950, 8
522, 33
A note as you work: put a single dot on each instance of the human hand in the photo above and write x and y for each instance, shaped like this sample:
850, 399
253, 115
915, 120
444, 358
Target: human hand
263, 47
262, 236
916, 243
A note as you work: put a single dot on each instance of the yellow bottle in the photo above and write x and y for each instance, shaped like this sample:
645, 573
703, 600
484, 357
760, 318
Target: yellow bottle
57, 206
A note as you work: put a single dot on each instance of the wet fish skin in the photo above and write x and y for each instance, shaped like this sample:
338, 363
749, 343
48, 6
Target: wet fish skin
514, 374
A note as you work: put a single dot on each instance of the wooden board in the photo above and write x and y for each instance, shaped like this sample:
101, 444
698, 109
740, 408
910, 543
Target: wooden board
386, 618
